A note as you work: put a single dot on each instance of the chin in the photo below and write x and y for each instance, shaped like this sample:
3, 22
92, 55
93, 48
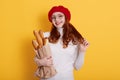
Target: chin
59, 26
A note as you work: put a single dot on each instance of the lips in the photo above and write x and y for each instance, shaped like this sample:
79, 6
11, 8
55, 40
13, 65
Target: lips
57, 23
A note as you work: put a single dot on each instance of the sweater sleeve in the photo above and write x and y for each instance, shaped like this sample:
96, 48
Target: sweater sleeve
79, 60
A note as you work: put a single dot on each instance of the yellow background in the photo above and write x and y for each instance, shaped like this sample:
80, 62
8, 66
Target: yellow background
97, 20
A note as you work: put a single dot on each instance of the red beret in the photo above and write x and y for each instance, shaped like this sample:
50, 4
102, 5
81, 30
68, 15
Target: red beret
62, 9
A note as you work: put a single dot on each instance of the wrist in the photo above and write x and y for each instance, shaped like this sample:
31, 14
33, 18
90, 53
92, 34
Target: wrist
82, 52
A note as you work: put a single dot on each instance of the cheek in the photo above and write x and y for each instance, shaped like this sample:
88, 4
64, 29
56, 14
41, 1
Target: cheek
53, 22
63, 20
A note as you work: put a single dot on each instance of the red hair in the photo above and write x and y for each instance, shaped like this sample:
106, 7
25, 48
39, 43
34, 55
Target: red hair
69, 34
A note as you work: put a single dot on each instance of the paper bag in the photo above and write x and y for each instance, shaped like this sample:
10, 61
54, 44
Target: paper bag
43, 50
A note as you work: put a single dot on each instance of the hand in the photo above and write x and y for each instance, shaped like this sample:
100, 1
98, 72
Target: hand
83, 46
46, 61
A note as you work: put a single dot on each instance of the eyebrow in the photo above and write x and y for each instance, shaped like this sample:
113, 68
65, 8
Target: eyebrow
58, 14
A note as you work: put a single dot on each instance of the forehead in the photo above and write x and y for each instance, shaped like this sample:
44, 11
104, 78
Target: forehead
57, 13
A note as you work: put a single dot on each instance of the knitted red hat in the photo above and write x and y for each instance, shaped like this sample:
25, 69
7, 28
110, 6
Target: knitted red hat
62, 9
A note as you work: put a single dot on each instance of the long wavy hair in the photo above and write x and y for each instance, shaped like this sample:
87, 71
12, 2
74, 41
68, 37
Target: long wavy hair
69, 34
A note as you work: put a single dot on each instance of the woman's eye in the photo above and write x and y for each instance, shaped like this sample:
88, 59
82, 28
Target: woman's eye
60, 15
53, 17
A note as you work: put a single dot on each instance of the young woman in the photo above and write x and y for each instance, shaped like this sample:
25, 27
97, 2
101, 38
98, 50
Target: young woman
66, 43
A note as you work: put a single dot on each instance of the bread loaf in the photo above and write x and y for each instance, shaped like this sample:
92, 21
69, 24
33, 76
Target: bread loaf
41, 34
35, 44
38, 37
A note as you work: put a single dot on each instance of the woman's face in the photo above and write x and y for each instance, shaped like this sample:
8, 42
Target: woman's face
58, 19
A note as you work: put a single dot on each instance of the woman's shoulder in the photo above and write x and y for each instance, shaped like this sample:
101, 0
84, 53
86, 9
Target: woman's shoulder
46, 34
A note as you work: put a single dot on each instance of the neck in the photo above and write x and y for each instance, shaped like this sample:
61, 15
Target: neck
60, 30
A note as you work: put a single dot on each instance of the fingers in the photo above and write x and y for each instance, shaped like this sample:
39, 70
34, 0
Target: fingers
85, 43
47, 61
83, 46
37, 61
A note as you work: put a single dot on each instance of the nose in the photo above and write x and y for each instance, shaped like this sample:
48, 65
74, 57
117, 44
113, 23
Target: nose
56, 19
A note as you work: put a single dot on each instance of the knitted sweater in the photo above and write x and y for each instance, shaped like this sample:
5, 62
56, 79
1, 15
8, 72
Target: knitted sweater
65, 60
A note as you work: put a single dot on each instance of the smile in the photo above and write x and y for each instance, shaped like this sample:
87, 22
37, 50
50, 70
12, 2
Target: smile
57, 23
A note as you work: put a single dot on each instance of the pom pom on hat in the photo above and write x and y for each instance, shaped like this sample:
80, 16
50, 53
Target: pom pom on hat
60, 8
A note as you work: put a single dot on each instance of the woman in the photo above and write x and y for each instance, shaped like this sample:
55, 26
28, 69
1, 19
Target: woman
66, 43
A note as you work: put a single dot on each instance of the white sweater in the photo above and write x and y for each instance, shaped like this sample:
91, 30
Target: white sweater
65, 59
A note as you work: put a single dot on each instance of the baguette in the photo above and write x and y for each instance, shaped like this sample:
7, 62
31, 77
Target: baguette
38, 38
35, 44
45, 41
41, 34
